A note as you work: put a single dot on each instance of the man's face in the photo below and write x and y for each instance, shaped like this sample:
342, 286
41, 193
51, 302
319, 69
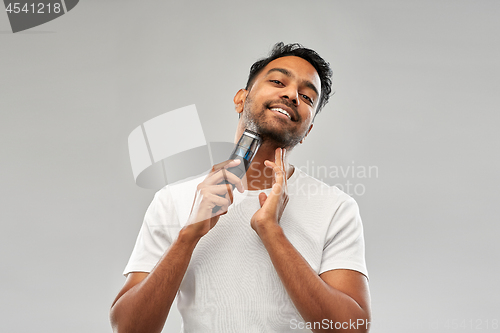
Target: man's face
288, 85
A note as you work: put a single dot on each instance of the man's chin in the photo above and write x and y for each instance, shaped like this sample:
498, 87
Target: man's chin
274, 131
278, 137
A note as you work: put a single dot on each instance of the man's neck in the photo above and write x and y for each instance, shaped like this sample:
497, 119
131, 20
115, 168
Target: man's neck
258, 176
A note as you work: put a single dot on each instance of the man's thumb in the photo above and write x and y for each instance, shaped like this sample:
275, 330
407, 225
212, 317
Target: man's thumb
262, 198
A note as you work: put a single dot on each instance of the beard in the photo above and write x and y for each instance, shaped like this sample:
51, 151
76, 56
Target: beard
270, 129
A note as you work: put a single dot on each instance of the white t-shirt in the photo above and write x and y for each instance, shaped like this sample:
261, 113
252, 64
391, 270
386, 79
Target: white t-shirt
230, 284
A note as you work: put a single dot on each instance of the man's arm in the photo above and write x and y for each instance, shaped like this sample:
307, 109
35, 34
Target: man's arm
144, 302
339, 296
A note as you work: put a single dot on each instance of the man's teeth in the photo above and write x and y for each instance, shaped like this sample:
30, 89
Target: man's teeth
282, 111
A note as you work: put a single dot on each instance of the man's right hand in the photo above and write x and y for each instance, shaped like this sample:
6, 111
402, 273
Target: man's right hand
211, 193
145, 300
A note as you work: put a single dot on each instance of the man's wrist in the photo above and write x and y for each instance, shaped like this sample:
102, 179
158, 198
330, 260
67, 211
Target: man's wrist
268, 229
188, 236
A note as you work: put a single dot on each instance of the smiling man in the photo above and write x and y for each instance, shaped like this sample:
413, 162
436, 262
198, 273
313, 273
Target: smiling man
285, 252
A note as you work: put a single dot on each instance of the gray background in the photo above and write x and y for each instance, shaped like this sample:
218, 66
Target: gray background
416, 96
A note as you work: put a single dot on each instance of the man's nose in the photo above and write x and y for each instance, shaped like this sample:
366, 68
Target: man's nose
291, 94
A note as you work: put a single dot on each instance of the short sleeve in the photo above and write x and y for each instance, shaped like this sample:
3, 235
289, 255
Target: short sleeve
344, 243
158, 230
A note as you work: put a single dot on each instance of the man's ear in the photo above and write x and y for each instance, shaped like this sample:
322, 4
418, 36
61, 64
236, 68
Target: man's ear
309, 130
239, 100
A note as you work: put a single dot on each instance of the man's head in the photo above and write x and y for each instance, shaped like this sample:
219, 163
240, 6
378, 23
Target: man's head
284, 93
281, 50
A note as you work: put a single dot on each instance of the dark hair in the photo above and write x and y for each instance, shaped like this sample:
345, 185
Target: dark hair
281, 50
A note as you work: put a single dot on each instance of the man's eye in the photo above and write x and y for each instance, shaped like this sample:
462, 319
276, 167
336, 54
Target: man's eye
307, 98
276, 81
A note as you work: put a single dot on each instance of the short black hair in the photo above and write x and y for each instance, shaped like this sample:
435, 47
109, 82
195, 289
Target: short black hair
281, 50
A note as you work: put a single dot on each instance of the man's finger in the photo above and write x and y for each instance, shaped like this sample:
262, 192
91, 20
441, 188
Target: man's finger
229, 192
277, 157
279, 173
283, 164
223, 165
262, 198
216, 200
220, 189
224, 175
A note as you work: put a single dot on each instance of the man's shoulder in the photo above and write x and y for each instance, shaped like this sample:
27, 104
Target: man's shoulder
180, 187
179, 196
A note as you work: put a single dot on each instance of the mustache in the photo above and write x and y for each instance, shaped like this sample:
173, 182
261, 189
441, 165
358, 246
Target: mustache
285, 102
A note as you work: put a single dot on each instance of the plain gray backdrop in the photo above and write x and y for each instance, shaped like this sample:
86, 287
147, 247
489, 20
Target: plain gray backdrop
417, 97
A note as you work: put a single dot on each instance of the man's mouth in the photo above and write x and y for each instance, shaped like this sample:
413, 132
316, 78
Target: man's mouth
280, 110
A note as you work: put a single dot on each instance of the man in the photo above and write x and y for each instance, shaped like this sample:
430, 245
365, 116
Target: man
285, 252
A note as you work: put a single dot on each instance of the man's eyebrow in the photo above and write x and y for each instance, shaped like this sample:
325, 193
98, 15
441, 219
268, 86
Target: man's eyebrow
286, 72
281, 70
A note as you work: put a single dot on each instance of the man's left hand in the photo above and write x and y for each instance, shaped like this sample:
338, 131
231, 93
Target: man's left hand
272, 206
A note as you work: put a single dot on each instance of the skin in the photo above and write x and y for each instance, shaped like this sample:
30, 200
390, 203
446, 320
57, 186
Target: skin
337, 295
